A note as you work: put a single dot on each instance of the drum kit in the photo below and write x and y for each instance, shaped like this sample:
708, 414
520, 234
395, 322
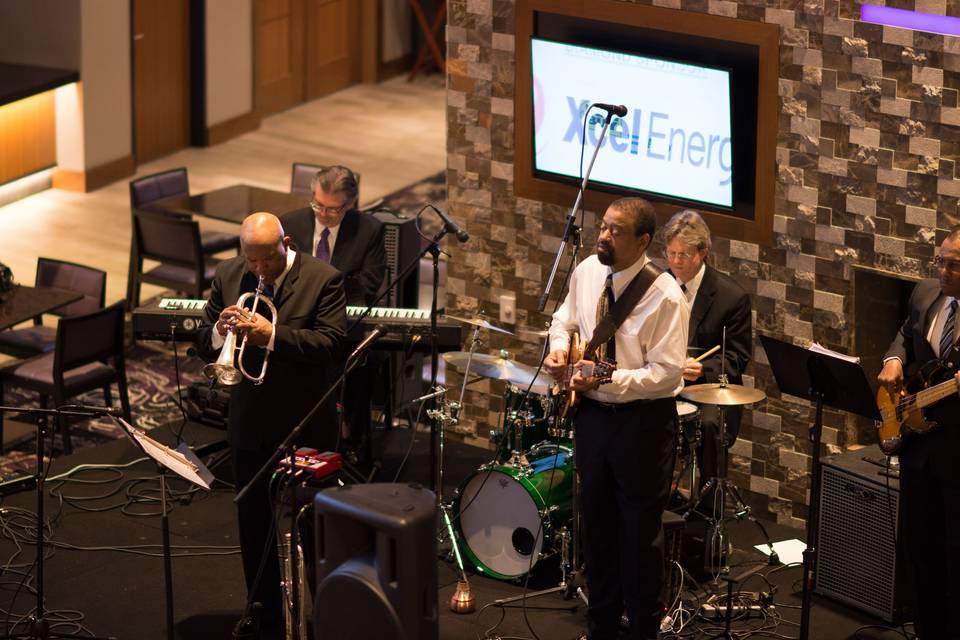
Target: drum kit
520, 509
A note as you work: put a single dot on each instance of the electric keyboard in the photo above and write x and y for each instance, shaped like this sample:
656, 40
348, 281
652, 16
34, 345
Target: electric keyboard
407, 327
155, 321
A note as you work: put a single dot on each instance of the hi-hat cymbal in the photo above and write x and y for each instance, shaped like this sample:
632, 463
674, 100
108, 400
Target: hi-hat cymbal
479, 322
498, 368
715, 393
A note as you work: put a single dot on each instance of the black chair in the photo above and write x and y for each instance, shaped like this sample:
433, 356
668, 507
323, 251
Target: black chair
301, 176
165, 184
175, 244
90, 282
77, 364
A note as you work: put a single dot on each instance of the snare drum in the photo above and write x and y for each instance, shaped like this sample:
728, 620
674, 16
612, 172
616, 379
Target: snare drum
499, 512
689, 423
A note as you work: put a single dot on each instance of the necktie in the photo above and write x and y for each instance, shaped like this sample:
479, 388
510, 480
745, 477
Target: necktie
606, 351
323, 246
946, 338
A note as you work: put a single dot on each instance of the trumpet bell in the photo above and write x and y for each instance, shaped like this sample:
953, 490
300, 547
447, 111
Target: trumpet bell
223, 374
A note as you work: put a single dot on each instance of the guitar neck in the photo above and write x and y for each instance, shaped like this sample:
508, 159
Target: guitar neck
936, 393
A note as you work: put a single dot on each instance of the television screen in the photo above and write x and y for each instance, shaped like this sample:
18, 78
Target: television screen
675, 140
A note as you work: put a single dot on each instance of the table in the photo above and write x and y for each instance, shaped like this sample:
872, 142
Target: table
233, 203
23, 302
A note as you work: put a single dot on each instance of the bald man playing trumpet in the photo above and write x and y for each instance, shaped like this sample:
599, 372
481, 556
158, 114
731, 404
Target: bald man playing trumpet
305, 358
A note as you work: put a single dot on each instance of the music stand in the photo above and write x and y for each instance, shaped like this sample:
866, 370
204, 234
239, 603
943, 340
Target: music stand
183, 462
824, 380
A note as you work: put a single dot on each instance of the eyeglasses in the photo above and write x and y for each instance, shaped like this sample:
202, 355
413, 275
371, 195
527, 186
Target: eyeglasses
319, 208
679, 256
946, 263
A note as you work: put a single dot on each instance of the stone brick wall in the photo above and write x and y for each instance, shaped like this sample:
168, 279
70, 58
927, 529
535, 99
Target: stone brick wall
869, 135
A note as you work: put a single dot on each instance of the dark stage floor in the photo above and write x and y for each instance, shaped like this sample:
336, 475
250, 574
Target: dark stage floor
120, 593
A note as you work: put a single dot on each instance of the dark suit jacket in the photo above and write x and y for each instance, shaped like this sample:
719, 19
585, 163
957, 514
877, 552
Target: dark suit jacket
359, 253
722, 302
306, 358
911, 346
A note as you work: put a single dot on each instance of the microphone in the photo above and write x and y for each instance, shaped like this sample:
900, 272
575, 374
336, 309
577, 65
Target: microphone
378, 331
616, 109
92, 408
452, 226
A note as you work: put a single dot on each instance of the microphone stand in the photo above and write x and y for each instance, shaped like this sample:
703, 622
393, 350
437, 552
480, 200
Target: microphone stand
572, 230
39, 625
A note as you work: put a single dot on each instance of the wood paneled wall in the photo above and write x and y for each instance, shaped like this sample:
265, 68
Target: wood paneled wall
27, 141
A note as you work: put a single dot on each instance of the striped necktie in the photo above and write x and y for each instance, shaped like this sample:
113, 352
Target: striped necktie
946, 338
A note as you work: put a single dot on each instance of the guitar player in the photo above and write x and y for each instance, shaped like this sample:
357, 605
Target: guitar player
625, 430
930, 463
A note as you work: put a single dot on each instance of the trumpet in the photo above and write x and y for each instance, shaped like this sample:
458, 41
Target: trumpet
224, 371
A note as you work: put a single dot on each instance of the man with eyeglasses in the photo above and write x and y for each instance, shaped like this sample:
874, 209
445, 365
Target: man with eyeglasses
333, 230
930, 464
625, 428
716, 302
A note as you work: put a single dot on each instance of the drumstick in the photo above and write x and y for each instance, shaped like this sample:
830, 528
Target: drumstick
708, 353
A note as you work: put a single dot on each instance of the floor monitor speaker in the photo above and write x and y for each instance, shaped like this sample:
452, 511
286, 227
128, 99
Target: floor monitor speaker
376, 559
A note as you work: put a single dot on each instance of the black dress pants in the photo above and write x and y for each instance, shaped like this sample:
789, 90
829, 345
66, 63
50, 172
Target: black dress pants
930, 516
624, 455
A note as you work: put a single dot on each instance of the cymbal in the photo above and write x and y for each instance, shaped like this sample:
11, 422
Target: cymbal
479, 322
539, 333
714, 393
498, 368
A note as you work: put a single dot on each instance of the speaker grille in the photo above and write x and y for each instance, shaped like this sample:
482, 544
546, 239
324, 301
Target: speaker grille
856, 553
401, 245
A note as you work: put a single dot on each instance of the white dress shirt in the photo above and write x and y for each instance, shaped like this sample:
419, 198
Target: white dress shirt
694, 285
331, 239
651, 342
217, 340
936, 327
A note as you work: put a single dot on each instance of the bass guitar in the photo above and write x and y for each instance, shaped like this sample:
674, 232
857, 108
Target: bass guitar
902, 415
567, 399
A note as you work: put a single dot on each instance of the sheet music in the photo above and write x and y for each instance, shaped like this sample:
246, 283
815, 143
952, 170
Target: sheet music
182, 461
816, 347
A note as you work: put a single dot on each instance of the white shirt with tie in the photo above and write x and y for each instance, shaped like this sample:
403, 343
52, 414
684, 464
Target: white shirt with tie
651, 344
331, 239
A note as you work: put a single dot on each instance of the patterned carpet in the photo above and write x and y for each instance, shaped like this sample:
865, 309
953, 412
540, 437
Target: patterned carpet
151, 375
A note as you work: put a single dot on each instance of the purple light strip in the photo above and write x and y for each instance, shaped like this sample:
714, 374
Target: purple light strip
916, 20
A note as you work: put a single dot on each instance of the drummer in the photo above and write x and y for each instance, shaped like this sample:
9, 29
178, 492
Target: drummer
716, 301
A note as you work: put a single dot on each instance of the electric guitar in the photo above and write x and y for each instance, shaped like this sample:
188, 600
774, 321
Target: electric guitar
902, 416
567, 399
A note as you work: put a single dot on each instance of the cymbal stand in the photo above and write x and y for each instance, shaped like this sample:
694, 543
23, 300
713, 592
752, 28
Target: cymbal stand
463, 600
718, 544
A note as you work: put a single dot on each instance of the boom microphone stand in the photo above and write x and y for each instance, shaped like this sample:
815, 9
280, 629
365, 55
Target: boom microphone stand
571, 231
39, 625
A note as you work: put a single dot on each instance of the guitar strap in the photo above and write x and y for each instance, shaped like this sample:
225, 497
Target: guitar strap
620, 309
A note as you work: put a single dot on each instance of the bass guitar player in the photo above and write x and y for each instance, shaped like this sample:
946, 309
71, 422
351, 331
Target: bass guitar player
930, 463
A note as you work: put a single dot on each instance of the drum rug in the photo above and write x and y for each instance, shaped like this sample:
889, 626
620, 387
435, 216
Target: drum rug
151, 378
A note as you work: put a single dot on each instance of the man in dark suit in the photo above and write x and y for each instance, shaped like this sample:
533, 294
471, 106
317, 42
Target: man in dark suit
716, 301
929, 469
304, 358
334, 231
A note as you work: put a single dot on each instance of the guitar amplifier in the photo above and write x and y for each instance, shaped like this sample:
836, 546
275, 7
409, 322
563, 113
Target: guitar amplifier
858, 562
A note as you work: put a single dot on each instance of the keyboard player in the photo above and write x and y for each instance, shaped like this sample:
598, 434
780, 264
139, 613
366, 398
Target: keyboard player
335, 231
